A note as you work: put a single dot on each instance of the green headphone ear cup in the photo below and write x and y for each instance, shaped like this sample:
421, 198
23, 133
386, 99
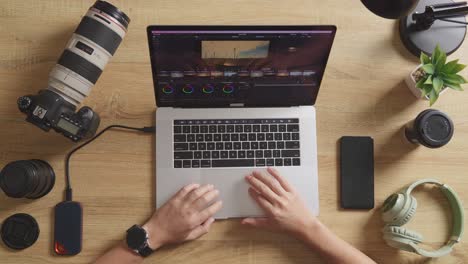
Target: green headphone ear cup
410, 213
392, 207
408, 234
404, 217
400, 238
415, 236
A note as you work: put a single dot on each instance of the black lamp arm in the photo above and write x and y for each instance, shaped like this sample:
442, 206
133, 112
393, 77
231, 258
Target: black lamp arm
425, 20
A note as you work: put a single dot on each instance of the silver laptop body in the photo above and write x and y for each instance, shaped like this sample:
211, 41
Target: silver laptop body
209, 136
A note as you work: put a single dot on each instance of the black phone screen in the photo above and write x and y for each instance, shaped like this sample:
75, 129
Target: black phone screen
357, 172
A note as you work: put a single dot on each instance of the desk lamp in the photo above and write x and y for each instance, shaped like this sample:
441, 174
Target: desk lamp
424, 24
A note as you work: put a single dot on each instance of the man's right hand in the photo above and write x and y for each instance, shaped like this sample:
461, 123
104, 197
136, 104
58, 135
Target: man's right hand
186, 216
285, 211
284, 208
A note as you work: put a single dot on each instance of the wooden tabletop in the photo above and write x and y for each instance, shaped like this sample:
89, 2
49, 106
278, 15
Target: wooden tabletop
363, 93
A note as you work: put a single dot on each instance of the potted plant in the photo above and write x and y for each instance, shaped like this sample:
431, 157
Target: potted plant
434, 76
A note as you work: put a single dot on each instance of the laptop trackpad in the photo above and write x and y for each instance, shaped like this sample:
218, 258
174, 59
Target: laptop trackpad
233, 191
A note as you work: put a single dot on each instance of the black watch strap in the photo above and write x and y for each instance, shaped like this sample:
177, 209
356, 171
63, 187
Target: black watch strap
137, 241
146, 251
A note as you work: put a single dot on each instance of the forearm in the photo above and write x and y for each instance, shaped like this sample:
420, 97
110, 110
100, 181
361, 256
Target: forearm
330, 247
120, 254
188, 215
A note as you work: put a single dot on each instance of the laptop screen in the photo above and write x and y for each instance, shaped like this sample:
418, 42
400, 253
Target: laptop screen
220, 66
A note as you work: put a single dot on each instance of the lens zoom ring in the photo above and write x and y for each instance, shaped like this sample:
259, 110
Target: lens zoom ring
80, 65
99, 33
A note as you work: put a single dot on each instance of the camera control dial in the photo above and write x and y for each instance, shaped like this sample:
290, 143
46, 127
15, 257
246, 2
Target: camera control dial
24, 102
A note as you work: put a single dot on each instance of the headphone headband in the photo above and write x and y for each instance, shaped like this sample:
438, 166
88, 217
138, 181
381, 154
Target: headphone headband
458, 218
446, 249
415, 184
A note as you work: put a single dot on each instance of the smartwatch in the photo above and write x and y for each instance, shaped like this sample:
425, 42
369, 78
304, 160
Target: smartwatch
137, 240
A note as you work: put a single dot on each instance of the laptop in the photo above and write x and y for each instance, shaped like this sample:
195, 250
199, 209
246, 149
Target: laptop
233, 99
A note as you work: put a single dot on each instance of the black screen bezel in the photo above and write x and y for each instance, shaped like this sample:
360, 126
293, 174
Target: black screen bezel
150, 28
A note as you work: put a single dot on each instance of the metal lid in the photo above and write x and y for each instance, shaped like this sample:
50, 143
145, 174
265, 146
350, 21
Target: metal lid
20, 231
434, 128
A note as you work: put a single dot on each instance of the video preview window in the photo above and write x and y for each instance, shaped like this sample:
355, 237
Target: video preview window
232, 49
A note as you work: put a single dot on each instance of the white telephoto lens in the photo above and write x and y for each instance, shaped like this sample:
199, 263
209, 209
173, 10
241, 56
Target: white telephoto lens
92, 45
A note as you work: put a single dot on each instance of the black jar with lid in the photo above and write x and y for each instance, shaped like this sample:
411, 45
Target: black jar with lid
431, 128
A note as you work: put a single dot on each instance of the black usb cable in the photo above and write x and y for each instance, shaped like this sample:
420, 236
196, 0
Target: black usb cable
68, 189
68, 215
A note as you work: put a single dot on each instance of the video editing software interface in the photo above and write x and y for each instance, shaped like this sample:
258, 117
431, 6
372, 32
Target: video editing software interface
238, 67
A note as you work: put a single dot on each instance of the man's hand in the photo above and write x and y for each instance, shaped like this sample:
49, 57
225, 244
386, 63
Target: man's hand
287, 212
186, 216
284, 208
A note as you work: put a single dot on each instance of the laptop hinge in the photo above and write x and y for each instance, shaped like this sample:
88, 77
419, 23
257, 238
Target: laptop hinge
238, 105
243, 105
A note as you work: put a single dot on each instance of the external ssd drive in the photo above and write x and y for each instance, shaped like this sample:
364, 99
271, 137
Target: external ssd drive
357, 172
68, 228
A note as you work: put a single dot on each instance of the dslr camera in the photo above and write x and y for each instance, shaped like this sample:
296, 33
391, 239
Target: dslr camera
93, 43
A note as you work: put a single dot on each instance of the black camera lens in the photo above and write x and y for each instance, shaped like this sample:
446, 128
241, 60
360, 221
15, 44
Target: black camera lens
17, 179
35, 182
46, 185
431, 128
41, 186
30, 179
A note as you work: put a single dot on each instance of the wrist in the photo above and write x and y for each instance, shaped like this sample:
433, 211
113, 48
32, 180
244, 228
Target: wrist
309, 230
155, 240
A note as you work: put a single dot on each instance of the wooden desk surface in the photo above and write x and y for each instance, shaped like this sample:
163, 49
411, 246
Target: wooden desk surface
362, 94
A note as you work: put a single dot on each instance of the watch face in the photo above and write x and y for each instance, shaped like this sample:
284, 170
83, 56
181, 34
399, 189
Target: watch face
136, 237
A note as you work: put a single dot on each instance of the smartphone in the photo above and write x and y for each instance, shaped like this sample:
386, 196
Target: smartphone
357, 172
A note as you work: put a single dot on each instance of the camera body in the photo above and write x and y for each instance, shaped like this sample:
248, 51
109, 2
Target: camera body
86, 54
49, 110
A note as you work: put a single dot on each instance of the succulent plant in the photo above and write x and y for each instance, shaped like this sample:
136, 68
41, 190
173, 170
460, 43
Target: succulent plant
438, 75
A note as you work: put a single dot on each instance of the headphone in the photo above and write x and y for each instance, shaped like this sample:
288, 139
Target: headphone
399, 208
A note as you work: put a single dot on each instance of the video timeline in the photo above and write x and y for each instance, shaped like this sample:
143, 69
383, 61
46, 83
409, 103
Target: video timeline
268, 73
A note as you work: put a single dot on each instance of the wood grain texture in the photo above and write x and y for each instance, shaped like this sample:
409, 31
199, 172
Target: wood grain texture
362, 94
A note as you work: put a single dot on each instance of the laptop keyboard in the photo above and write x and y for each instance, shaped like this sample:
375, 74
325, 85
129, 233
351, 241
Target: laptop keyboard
236, 143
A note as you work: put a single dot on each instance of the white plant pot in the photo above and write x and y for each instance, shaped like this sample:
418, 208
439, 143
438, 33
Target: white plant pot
411, 83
